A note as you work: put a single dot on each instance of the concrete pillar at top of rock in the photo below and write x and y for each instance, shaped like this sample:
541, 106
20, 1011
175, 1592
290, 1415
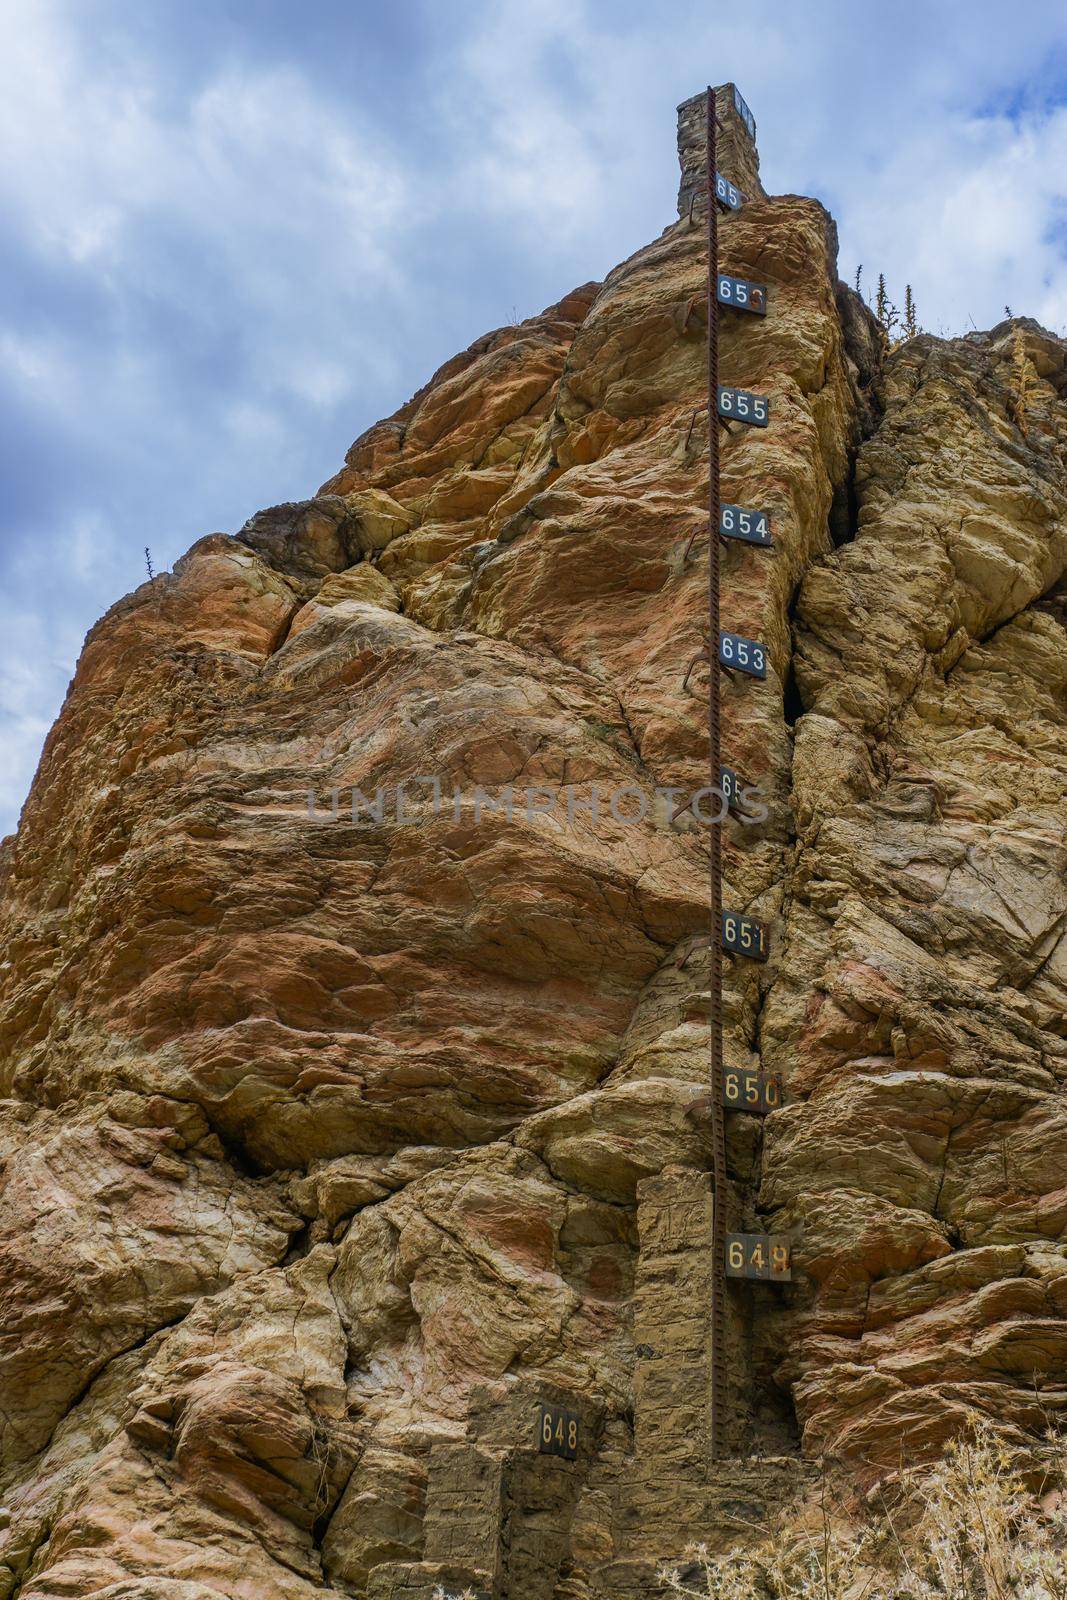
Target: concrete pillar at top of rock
738, 157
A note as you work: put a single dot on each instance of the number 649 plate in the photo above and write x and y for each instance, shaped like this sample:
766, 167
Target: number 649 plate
758, 1255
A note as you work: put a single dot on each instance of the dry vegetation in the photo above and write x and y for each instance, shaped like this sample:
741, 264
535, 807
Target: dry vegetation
967, 1529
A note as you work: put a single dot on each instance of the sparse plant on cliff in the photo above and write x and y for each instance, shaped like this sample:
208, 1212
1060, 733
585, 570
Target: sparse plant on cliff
859, 278
148, 564
981, 1532
885, 310
975, 1533
911, 320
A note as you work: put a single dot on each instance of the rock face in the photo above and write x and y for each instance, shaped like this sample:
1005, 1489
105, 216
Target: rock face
354, 1036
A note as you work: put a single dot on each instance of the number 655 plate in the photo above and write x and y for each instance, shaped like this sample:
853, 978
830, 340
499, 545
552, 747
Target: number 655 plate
740, 405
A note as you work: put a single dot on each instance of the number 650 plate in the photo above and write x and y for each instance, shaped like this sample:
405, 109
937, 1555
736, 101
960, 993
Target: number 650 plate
741, 294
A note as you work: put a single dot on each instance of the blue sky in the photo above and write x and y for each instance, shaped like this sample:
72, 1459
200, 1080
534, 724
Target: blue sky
236, 233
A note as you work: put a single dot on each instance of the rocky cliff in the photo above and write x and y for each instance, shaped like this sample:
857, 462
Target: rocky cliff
354, 1038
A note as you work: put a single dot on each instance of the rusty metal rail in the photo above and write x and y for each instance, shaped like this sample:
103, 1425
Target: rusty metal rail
718, 1275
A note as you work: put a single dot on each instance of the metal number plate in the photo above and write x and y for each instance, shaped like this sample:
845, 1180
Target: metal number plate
731, 788
727, 192
758, 1255
737, 522
741, 294
744, 936
744, 1090
744, 113
738, 405
558, 1432
746, 655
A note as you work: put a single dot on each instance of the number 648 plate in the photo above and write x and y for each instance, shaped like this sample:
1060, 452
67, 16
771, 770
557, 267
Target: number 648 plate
558, 1432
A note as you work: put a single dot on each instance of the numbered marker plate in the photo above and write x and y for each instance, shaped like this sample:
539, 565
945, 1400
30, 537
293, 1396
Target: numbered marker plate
746, 655
745, 936
731, 788
558, 1432
743, 1090
741, 294
738, 405
754, 527
734, 789
758, 1255
744, 113
727, 192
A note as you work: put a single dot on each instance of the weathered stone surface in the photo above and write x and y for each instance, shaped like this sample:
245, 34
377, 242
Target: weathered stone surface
356, 1067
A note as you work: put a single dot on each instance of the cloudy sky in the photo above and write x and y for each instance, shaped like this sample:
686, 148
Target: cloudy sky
236, 232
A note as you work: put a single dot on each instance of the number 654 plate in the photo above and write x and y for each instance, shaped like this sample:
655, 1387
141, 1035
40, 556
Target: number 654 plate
738, 522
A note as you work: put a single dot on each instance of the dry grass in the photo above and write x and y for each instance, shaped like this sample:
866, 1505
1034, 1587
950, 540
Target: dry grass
966, 1529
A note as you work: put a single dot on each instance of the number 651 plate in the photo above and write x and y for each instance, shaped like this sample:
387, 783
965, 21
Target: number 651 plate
744, 936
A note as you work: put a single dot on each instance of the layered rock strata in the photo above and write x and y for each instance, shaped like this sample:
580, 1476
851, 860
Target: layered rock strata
354, 1037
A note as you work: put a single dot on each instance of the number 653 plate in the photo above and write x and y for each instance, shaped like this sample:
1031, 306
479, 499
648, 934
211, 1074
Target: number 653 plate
744, 655
727, 192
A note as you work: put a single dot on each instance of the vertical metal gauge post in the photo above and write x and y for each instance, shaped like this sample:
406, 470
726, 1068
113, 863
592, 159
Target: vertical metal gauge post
718, 1243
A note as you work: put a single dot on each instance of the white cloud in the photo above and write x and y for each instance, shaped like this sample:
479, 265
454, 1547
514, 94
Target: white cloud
573, 131
246, 261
